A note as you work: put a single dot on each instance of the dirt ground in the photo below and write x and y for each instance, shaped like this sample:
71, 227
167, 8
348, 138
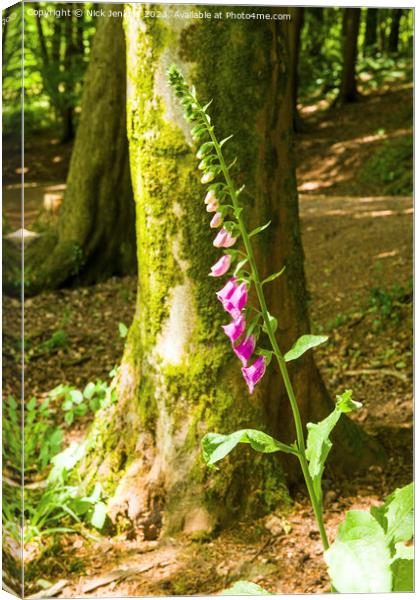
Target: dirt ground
358, 251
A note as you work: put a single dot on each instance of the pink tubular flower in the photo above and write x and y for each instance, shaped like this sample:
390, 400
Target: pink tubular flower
235, 329
212, 206
216, 220
237, 300
223, 239
227, 290
222, 265
254, 373
245, 349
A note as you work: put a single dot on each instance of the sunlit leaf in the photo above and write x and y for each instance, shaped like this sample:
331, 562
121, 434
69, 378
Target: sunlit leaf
99, 515
359, 559
223, 142
89, 390
318, 444
123, 329
396, 515
245, 588
216, 446
402, 568
76, 396
304, 343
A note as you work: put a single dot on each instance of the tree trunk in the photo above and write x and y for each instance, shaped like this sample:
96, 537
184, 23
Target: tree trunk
67, 97
179, 379
351, 23
95, 235
383, 18
317, 35
294, 51
371, 34
394, 33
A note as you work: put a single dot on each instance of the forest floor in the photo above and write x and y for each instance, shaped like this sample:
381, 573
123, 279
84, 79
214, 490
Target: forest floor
358, 248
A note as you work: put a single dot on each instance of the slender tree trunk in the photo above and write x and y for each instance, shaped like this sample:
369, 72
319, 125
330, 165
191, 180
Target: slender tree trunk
371, 31
351, 23
317, 37
95, 236
394, 33
179, 378
67, 96
294, 51
382, 17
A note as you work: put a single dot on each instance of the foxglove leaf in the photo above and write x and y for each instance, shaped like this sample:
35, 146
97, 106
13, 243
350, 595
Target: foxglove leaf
245, 588
318, 444
216, 446
259, 229
273, 323
402, 568
396, 515
273, 276
226, 140
304, 343
359, 559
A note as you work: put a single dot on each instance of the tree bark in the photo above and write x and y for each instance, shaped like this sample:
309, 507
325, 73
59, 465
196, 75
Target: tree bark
95, 234
348, 87
370, 41
179, 378
394, 33
297, 14
317, 36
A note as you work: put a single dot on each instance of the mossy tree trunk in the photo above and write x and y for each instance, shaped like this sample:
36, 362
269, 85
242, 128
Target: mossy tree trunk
179, 379
348, 86
95, 234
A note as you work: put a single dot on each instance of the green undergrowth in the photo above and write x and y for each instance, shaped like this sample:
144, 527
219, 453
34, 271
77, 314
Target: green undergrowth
390, 168
55, 500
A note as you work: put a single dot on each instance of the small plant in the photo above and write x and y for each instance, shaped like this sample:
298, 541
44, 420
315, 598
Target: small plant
388, 304
73, 403
391, 167
243, 332
76, 403
43, 438
58, 339
123, 329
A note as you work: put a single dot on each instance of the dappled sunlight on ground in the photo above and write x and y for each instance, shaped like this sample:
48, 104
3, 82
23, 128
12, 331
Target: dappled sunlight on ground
333, 148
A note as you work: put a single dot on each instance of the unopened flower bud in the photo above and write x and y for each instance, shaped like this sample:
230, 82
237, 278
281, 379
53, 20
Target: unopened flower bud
216, 220
208, 176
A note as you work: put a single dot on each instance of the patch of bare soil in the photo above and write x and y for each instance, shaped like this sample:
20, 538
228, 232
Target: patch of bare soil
336, 142
358, 252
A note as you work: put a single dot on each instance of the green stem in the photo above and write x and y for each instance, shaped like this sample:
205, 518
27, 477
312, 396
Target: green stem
317, 507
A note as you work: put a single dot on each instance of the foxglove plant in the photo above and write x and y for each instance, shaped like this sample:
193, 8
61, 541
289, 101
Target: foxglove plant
223, 199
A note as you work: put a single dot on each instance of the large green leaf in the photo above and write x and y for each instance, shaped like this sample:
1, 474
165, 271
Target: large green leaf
216, 446
396, 515
318, 444
304, 343
245, 588
359, 559
403, 569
